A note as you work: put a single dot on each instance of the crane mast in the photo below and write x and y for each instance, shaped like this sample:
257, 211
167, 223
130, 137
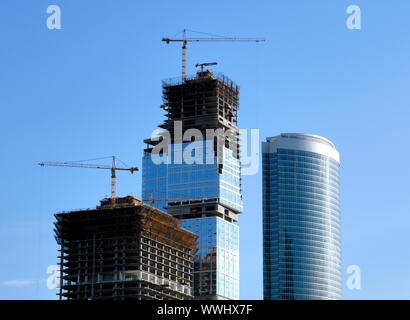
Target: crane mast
184, 55
113, 179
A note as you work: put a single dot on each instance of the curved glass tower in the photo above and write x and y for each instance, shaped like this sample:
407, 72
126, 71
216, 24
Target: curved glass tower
199, 180
301, 218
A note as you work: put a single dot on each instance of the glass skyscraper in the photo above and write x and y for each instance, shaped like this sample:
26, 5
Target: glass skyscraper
301, 218
206, 193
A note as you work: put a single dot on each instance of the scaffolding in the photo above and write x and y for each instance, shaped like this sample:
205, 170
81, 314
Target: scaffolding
130, 251
201, 102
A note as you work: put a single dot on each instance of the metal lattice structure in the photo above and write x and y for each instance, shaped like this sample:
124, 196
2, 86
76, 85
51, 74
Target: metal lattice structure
130, 251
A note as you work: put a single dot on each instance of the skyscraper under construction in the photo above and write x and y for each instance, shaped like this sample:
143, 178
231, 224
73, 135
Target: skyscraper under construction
124, 250
204, 192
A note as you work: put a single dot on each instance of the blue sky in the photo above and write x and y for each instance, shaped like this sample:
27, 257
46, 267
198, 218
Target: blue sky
93, 89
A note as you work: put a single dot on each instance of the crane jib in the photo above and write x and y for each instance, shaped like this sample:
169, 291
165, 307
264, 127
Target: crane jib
185, 40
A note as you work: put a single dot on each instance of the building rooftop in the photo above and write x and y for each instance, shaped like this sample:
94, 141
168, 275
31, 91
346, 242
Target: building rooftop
303, 136
302, 142
207, 74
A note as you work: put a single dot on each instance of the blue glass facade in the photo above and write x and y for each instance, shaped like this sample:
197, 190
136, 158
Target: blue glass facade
230, 181
216, 265
181, 181
301, 219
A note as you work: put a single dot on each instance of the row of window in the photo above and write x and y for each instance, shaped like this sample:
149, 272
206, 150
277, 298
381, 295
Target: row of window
311, 190
308, 196
305, 180
322, 172
308, 154
303, 216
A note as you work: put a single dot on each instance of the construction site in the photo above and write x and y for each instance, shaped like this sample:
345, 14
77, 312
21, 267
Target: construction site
124, 251
128, 248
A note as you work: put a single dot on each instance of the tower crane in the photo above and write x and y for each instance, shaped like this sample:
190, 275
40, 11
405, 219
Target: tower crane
202, 65
113, 168
185, 40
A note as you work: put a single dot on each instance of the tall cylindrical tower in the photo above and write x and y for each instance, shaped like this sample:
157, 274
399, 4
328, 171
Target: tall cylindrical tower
301, 218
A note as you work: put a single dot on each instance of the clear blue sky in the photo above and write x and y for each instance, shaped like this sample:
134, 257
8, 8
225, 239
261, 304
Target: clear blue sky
93, 89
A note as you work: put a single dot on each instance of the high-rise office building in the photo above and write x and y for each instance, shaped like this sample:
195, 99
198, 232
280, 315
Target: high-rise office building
124, 250
206, 193
301, 218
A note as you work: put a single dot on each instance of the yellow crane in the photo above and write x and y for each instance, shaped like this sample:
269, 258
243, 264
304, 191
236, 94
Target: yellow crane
113, 169
185, 40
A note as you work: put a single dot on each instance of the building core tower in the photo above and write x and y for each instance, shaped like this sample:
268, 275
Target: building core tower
301, 218
205, 193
